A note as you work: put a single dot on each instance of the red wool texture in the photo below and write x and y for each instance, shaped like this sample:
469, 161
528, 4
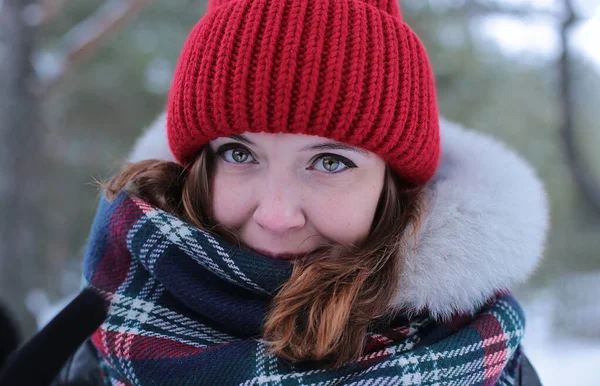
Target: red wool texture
347, 70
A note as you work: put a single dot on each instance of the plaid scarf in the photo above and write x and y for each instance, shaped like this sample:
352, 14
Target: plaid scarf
187, 309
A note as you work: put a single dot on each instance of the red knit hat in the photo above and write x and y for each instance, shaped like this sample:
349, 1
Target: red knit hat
348, 70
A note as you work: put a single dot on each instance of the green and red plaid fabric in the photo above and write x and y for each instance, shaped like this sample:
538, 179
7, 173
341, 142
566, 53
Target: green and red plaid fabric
187, 309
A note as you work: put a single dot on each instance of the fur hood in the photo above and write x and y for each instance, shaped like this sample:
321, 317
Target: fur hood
484, 229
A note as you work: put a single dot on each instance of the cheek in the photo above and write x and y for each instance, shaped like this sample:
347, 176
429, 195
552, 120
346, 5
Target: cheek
347, 217
230, 205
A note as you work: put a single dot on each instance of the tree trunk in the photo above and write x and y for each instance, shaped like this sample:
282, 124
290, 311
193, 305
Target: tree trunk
20, 147
580, 169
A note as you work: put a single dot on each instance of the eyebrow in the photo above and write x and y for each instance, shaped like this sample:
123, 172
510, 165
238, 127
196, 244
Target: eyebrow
242, 139
335, 146
316, 147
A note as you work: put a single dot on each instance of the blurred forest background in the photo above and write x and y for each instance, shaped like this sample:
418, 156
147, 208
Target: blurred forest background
79, 80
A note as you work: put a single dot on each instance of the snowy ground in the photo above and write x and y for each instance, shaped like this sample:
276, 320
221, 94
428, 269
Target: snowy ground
566, 362
561, 359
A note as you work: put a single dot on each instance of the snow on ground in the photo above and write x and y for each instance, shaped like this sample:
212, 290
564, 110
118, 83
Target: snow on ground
561, 359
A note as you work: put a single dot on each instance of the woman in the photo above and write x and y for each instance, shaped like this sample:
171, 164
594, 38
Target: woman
307, 226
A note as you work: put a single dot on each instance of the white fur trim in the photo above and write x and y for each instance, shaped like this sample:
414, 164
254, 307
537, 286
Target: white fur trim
153, 144
484, 229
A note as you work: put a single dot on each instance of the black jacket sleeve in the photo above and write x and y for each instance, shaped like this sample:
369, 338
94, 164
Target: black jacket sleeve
82, 369
527, 376
10, 336
49, 350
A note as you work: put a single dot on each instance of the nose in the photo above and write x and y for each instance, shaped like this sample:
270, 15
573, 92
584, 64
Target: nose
279, 208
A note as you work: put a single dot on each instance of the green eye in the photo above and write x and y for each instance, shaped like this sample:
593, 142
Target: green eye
331, 163
239, 155
235, 154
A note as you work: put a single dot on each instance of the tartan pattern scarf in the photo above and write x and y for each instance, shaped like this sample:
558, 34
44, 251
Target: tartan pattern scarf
186, 309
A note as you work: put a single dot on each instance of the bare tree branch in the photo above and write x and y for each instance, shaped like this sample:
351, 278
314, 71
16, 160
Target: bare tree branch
578, 167
475, 8
50, 9
85, 38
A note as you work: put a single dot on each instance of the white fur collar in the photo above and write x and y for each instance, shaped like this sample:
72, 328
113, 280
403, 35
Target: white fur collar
484, 230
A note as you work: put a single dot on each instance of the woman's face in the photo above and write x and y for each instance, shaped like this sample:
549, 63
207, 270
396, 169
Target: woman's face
287, 194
